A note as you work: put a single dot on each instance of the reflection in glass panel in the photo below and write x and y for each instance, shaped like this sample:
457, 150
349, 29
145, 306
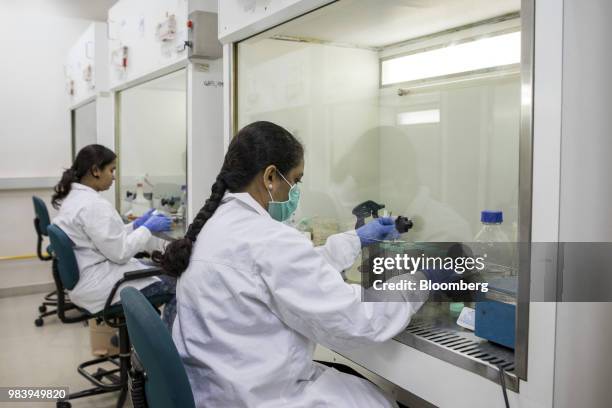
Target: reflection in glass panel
439, 147
152, 145
439, 153
84, 126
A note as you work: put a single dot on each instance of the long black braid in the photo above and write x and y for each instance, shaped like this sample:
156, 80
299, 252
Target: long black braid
255, 147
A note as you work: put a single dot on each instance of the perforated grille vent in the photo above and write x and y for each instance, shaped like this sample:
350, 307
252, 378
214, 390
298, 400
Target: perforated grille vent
465, 344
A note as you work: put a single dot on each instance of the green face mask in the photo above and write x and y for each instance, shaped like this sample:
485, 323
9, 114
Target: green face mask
282, 210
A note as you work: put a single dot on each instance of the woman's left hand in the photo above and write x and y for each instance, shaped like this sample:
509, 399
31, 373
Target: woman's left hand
377, 230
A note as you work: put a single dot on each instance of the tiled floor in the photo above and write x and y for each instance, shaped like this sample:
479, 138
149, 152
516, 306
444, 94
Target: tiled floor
43, 356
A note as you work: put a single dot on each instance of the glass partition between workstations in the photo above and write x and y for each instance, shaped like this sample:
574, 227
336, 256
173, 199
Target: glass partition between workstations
152, 145
84, 123
416, 109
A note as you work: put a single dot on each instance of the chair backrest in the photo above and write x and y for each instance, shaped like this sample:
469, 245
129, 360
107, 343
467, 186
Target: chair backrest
166, 384
63, 252
41, 213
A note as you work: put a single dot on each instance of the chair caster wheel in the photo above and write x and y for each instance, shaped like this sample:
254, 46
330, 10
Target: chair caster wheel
42, 308
63, 404
39, 322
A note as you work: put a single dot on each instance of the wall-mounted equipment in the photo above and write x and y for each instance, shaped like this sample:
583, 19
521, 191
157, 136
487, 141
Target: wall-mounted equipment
88, 76
119, 58
70, 86
166, 29
202, 36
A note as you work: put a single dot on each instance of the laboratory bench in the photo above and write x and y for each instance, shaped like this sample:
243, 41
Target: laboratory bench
176, 232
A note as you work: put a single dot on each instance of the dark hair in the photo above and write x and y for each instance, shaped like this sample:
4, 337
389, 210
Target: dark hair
90, 156
255, 147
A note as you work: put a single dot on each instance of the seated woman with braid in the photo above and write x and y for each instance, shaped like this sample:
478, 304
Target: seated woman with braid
255, 296
103, 245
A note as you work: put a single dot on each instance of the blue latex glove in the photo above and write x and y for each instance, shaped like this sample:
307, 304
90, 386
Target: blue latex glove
141, 220
442, 275
158, 223
379, 229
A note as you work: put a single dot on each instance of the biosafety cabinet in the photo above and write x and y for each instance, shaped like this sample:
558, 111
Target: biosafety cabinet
86, 76
166, 77
437, 111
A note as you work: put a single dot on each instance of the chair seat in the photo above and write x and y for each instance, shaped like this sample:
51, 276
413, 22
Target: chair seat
117, 309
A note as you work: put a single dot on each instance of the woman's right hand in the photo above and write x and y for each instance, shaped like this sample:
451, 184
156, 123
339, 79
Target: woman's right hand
141, 220
158, 223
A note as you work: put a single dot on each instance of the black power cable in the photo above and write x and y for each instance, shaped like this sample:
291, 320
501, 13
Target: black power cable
502, 382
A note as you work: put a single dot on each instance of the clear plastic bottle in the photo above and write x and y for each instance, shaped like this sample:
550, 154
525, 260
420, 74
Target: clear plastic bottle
493, 244
140, 205
127, 203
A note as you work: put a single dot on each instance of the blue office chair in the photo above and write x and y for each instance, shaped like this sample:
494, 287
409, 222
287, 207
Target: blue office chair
159, 379
66, 275
41, 222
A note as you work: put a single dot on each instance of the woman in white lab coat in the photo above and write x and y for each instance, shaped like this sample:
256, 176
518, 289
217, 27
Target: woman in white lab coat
254, 295
104, 246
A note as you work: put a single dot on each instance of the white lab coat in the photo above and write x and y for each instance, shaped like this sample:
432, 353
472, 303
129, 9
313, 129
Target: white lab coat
255, 300
104, 246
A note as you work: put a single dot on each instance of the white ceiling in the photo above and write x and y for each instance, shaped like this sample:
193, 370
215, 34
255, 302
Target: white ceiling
377, 23
84, 9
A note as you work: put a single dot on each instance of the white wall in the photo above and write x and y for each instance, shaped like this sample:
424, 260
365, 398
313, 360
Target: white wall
33, 101
584, 330
85, 120
19, 238
94, 10
35, 37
